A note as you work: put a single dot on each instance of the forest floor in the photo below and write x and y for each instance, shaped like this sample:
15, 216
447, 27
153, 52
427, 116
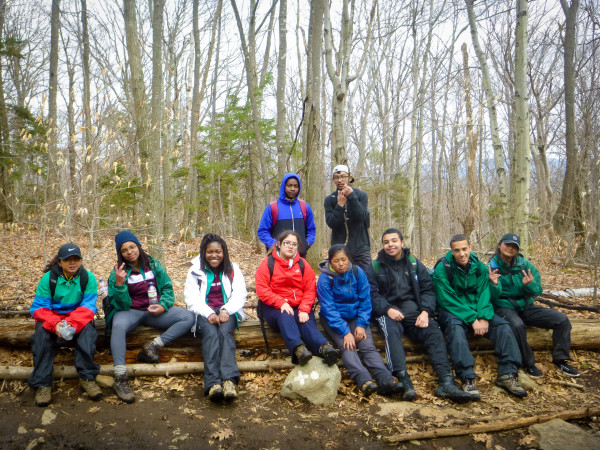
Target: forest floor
171, 412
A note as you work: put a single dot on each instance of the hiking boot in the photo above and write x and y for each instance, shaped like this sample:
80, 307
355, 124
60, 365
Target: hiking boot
447, 389
368, 388
509, 383
392, 387
533, 371
122, 388
302, 354
408, 390
329, 354
149, 353
229, 391
43, 395
469, 386
565, 368
215, 393
90, 388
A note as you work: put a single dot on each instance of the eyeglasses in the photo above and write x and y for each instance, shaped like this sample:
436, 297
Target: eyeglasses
290, 244
340, 177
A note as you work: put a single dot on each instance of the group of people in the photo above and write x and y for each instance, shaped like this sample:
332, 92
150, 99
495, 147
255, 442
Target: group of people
395, 289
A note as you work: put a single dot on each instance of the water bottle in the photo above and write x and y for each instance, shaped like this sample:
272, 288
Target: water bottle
103, 287
66, 331
152, 294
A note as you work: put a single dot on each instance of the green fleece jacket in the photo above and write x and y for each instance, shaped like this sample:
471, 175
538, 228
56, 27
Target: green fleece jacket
119, 295
468, 295
510, 284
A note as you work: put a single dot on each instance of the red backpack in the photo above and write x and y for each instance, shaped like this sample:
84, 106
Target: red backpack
275, 210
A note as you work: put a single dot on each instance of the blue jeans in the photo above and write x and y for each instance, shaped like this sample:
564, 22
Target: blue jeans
499, 332
218, 352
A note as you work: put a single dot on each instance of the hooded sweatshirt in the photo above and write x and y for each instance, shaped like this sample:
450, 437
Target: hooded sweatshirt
344, 297
290, 217
468, 295
287, 285
349, 223
510, 291
398, 282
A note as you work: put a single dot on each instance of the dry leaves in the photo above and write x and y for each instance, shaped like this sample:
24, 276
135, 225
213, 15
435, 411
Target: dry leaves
222, 434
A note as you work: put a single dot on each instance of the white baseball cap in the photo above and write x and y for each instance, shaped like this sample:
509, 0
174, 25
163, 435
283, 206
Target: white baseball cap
342, 168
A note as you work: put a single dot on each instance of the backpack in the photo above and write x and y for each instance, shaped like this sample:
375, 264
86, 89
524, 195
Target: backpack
83, 281
275, 211
448, 267
259, 305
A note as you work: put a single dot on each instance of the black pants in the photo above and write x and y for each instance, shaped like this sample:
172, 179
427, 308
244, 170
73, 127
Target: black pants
42, 346
538, 316
362, 259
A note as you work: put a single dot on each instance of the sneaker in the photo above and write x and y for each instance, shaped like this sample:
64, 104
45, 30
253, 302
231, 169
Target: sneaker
90, 388
229, 391
408, 389
303, 355
533, 371
329, 354
447, 389
392, 387
565, 368
368, 388
469, 386
149, 353
215, 393
510, 384
122, 389
43, 395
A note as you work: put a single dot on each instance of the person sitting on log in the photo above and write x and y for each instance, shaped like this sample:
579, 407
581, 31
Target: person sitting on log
63, 308
345, 299
141, 293
215, 291
515, 283
404, 303
462, 289
285, 284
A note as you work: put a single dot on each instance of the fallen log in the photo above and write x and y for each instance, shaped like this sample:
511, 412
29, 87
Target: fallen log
567, 306
503, 425
143, 370
15, 333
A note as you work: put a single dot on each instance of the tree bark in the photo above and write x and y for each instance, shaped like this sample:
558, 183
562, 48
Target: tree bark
52, 186
562, 218
280, 96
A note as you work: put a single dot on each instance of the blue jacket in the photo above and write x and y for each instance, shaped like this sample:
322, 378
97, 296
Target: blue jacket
344, 297
289, 218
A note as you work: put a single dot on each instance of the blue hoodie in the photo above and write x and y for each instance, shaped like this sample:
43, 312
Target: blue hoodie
289, 218
344, 297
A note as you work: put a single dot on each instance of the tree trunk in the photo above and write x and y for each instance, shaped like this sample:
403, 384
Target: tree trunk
281, 80
52, 186
470, 223
6, 213
521, 169
491, 104
563, 216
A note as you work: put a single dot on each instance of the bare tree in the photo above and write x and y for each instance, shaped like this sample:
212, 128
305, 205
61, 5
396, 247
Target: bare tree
280, 96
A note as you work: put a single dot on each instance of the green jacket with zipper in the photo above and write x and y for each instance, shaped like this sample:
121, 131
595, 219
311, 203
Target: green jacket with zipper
510, 291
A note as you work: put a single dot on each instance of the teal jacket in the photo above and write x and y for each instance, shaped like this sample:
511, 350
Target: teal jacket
119, 295
468, 295
510, 291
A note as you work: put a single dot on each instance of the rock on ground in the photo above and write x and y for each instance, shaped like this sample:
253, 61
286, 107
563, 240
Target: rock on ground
558, 435
315, 382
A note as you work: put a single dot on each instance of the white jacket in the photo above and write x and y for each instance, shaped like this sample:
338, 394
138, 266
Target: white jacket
195, 293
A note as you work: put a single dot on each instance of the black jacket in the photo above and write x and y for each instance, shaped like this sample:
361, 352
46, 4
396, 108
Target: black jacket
396, 282
355, 214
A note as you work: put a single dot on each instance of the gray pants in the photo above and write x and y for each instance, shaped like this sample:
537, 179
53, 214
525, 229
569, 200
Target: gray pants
176, 321
218, 352
365, 350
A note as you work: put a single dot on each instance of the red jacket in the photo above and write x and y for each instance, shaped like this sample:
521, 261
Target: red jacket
287, 284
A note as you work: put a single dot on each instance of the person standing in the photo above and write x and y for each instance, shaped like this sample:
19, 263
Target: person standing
462, 289
513, 294
64, 307
347, 214
288, 212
